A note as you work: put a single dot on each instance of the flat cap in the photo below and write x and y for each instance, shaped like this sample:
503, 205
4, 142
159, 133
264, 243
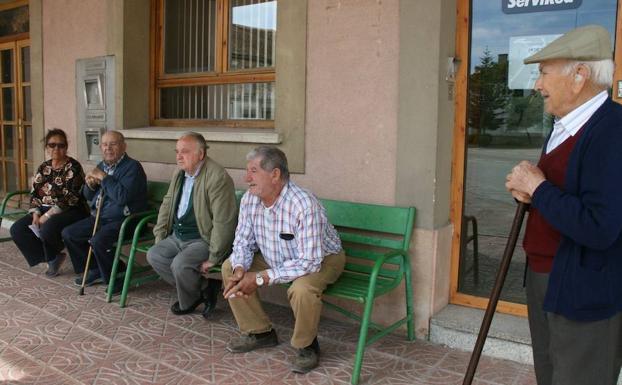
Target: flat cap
587, 43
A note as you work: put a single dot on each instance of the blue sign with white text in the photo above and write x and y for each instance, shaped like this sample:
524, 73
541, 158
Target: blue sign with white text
527, 6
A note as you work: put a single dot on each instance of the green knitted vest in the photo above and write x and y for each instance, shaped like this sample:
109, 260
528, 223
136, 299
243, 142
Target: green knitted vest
186, 228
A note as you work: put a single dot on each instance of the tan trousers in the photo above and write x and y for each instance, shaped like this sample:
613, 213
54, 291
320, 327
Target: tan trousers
304, 294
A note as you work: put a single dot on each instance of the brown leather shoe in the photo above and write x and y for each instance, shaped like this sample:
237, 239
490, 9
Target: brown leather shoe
307, 359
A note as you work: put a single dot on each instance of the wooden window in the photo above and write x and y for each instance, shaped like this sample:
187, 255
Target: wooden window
213, 63
14, 21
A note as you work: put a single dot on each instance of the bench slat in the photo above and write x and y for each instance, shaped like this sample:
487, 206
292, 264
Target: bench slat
370, 255
385, 219
357, 289
365, 271
371, 240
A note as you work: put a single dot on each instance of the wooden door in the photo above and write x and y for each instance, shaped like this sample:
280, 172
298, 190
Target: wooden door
15, 116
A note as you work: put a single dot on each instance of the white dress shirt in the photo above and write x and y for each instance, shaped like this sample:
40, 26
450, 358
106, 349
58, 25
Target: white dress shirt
570, 124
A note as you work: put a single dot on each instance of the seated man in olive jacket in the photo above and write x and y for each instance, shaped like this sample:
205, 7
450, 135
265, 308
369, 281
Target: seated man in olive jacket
196, 225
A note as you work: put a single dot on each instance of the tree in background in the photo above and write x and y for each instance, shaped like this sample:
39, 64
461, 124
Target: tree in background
488, 97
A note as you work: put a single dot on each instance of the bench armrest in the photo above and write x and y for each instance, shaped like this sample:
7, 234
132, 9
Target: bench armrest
373, 277
8, 197
151, 218
126, 223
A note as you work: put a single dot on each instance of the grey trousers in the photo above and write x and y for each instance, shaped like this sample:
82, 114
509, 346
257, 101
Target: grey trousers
178, 262
567, 352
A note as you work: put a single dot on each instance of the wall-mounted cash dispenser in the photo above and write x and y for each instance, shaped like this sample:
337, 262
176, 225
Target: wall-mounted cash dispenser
95, 98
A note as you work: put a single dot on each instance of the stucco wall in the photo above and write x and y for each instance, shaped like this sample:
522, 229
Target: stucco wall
352, 99
72, 29
351, 117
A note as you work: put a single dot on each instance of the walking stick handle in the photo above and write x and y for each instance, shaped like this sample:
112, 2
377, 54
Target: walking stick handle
517, 223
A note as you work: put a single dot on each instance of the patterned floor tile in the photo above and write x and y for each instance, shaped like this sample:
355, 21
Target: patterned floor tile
49, 334
497, 371
413, 376
34, 336
51, 376
227, 375
526, 376
16, 367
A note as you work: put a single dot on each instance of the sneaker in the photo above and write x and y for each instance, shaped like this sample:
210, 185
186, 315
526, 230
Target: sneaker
307, 358
92, 278
248, 342
55, 264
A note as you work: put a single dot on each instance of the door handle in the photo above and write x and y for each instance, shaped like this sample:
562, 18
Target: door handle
20, 127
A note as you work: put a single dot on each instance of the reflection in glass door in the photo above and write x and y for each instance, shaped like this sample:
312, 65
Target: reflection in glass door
505, 124
15, 116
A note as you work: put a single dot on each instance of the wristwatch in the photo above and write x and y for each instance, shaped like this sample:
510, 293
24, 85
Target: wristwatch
259, 279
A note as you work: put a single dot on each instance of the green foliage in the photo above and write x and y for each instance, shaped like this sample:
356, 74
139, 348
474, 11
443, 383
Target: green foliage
488, 94
494, 108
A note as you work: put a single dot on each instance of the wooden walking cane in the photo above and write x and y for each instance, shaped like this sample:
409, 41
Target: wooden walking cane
99, 204
496, 292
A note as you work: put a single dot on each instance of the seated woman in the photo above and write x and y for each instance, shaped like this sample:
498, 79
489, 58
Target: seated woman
55, 202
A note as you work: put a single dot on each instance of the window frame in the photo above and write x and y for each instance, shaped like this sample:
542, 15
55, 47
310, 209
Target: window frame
12, 5
220, 75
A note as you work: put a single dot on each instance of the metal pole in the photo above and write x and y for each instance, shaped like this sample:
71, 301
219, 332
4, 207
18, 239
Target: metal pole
496, 292
99, 204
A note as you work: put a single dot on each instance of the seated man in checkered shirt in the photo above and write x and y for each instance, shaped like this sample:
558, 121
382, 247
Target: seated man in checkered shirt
283, 235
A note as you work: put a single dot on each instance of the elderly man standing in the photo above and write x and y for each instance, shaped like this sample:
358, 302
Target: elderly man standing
573, 238
122, 182
288, 226
196, 225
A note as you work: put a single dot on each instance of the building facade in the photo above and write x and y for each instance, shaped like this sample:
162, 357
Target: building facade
399, 102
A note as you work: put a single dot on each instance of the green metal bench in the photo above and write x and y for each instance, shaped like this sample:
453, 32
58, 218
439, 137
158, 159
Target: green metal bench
14, 213
141, 235
376, 240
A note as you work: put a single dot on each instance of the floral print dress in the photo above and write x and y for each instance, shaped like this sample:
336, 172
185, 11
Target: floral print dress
57, 189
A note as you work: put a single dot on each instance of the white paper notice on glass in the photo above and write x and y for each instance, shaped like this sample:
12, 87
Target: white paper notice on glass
523, 76
35, 230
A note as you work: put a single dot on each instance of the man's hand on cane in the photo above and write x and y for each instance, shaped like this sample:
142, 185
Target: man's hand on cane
523, 181
94, 177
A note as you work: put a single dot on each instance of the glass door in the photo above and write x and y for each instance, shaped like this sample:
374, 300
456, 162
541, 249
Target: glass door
501, 123
15, 116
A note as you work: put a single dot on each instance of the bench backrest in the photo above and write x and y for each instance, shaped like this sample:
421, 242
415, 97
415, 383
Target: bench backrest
238, 196
155, 193
368, 231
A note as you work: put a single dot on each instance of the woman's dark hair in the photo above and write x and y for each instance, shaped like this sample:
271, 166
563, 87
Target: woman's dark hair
54, 132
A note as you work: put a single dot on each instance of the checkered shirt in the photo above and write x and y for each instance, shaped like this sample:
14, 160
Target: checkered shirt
293, 235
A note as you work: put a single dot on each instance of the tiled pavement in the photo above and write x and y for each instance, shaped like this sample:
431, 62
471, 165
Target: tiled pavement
51, 335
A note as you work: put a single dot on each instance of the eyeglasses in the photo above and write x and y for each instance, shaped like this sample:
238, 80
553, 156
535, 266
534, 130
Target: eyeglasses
60, 146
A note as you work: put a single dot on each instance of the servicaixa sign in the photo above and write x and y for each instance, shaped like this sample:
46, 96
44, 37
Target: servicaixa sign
526, 6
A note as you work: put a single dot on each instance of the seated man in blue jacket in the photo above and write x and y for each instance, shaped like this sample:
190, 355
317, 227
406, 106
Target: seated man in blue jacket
122, 182
573, 239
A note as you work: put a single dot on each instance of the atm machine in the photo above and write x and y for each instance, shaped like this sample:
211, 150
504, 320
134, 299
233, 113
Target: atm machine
95, 101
